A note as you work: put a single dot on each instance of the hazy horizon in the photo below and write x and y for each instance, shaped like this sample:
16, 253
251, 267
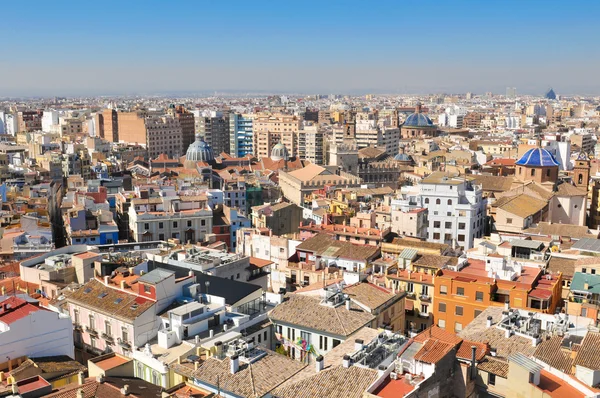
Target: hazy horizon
350, 47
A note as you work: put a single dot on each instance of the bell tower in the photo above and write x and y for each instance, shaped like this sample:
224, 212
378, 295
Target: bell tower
581, 171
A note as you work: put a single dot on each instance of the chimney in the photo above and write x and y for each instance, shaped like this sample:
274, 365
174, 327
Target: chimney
15, 389
348, 304
211, 333
125, 390
107, 279
346, 361
191, 273
80, 393
81, 378
234, 364
586, 286
100, 379
473, 358
535, 340
197, 339
488, 322
123, 285
506, 305
507, 333
493, 352
219, 349
319, 363
358, 344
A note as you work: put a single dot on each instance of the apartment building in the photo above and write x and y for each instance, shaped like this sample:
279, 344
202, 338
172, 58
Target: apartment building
186, 121
215, 128
164, 135
172, 216
241, 135
310, 143
456, 209
270, 130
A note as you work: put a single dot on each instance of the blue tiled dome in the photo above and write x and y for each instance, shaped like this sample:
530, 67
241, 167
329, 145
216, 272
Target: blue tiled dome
537, 157
199, 151
402, 157
418, 120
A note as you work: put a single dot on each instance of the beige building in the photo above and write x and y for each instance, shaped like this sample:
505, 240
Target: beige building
164, 135
272, 129
411, 223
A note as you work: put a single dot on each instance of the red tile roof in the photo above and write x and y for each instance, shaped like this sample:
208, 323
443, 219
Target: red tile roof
14, 308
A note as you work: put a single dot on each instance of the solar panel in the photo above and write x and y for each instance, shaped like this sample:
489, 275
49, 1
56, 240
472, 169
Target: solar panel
587, 244
87, 290
102, 295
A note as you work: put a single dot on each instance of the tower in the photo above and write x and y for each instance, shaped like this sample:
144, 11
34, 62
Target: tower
581, 171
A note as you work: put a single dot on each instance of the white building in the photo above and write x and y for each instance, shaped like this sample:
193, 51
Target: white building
456, 209
49, 120
26, 329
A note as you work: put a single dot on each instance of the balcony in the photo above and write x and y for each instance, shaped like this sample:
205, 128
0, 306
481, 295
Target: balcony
425, 297
124, 344
411, 295
77, 326
109, 339
423, 314
91, 331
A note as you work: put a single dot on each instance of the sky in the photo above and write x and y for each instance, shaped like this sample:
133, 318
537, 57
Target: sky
131, 47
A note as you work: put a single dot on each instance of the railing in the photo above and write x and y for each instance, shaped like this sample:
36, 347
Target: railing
425, 297
124, 344
91, 331
108, 338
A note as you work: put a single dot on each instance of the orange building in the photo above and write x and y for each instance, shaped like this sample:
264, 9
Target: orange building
461, 295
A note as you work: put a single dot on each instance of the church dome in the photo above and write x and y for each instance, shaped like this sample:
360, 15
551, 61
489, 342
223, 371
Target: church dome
418, 120
199, 151
279, 152
402, 157
537, 157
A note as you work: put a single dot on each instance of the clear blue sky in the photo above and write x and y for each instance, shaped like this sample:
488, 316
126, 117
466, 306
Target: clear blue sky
126, 47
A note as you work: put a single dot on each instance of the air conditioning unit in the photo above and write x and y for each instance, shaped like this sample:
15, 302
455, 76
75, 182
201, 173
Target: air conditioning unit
394, 376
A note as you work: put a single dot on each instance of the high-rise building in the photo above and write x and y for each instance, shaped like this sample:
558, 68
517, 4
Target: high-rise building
214, 127
163, 135
272, 129
240, 135
109, 121
511, 92
186, 121
310, 143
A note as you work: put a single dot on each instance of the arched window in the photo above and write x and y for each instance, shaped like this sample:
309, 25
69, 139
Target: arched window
426, 201
140, 370
580, 178
156, 378
449, 202
437, 201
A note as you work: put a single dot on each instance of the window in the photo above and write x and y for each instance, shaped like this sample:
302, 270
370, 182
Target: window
91, 319
410, 287
442, 307
155, 378
458, 310
461, 225
146, 226
238, 276
107, 328
447, 237
532, 172
424, 309
189, 223
92, 342
509, 220
436, 224
460, 291
437, 201
265, 338
259, 336
443, 289
461, 238
306, 336
124, 334
584, 270
174, 224
449, 202
147, 289
479, 296
336, 343
323, 343
426, 201
442, 323
531, 377
76, 316
457, 327
491, 379
160, 225
203, 222
436, 236
476, 313
448, 224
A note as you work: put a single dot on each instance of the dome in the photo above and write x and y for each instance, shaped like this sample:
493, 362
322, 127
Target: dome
402, 157
279, 152
199, 151
418, 120
537, 157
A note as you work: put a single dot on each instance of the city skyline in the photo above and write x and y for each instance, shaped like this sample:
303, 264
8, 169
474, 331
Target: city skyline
388, 47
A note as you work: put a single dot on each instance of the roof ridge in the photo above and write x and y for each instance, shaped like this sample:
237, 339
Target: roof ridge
340, 320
